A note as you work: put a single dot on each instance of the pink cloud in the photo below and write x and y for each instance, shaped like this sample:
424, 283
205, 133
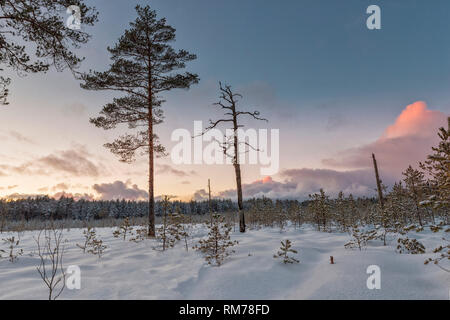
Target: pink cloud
406, 142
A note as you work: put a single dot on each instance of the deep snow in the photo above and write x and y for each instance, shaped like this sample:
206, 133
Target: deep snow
131, 270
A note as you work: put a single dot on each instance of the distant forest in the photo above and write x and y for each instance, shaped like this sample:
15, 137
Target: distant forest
44, 207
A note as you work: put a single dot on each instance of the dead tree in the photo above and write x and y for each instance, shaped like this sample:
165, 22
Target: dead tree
209, 202
228, 102
377, 177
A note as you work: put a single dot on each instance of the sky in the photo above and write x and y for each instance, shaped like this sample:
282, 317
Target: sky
334, 89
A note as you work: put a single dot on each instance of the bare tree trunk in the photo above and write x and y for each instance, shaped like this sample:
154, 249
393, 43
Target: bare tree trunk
151, 196
209, 202
237, 169
377, 176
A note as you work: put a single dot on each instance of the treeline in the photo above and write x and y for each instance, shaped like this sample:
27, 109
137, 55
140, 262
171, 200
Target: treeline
67, 208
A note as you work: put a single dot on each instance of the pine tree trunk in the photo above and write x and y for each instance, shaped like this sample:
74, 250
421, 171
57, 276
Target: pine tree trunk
151, 197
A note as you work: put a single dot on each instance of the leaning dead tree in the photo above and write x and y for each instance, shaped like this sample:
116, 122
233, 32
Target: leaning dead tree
229, 103
377, 177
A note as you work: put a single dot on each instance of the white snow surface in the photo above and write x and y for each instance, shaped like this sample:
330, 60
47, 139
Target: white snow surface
131, 270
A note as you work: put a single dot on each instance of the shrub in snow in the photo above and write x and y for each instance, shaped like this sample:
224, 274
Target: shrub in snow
444, 254
285, 249
91, 243
124, 230
171, 231
359, 238
13, 253
51, 252
412, 246
436, 228
215, 248
141, 234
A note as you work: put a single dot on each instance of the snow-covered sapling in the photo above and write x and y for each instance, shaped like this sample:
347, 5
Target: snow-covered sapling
89, 237
412, 246
360, 239
215, 248
124, 229
13, 253
444, 254
285, 249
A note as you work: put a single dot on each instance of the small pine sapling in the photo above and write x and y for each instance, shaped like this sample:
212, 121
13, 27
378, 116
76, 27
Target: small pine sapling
444, 254
89, 237
285, 249
215, 248
141, 234
412, 246
124, 230
359, 238
97, 247
13, 253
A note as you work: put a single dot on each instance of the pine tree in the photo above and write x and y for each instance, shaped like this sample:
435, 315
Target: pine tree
36, 25
124, 229
415, 184
285, 249
360, 238
437, 166
215, 247
321, 209
143, 67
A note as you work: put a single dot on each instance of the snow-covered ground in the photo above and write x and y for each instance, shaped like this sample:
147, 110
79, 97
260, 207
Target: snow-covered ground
131, 270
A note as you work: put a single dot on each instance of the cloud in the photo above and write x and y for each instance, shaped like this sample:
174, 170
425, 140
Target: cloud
165, 168
13, 186
120, 190
18, 196
70, 161
407, 141
21, 138
60, 186
74, 196
200, 195
299, 183
75, 162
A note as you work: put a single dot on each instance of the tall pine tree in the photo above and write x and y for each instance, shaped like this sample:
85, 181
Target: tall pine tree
144, 66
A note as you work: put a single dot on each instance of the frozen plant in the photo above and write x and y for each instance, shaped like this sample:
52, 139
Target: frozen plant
215, 248
285, 249
51, 252
124, 230
13, 252
412, 246
359, 238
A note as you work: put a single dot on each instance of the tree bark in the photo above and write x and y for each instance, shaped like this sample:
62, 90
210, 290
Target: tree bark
151, 196
377, 176
237, 169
